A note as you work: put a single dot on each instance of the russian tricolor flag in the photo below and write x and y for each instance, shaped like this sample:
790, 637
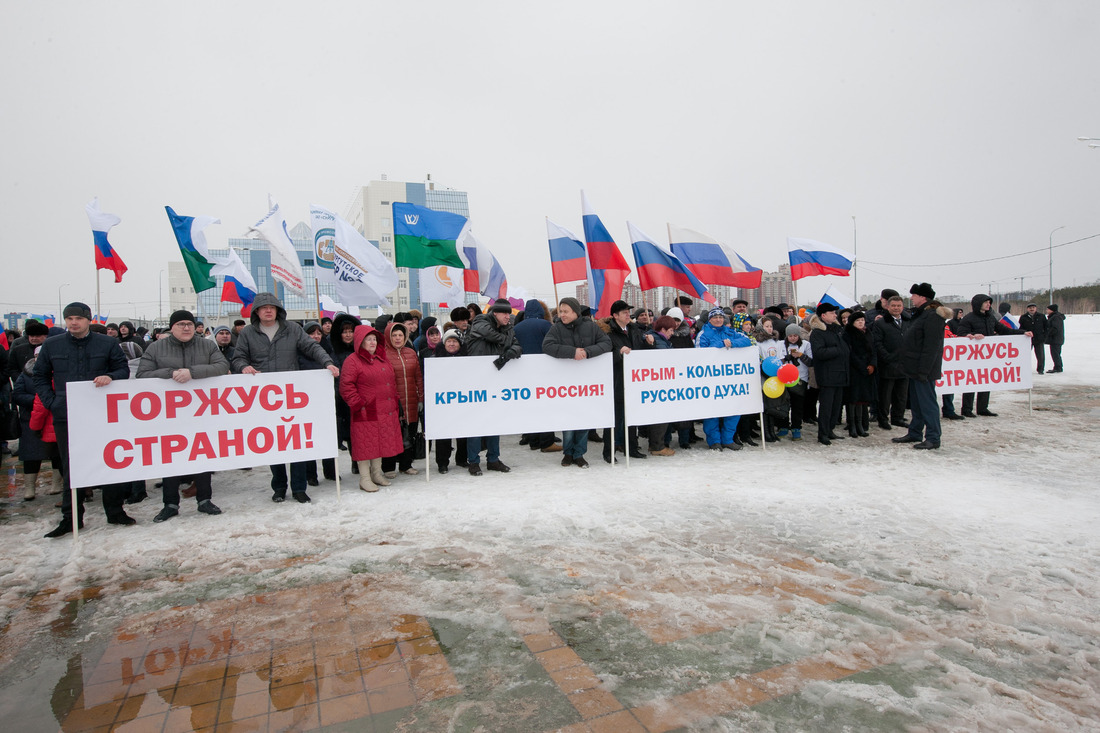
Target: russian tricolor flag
657, 268
809, 257
1010, 322
837, 298
105, 256
607, 268
483, 273
567, 260
238, 285
711, 261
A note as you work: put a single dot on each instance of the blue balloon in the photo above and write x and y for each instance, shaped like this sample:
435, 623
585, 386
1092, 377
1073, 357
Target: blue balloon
771, 365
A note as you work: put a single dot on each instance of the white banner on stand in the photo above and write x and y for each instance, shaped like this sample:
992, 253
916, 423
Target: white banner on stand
671, 385
468, 396
151, 428
991, 364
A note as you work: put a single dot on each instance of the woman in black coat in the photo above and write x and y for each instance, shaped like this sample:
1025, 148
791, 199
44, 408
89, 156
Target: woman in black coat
862, 363
831, 369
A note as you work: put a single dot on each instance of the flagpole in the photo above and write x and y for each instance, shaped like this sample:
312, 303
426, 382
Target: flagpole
855, 272
97, 291
317, 295
556, 298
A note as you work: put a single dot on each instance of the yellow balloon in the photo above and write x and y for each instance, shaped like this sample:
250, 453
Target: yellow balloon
773, 387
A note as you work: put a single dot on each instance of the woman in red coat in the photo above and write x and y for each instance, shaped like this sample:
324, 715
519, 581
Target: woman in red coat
410, 391
368, 387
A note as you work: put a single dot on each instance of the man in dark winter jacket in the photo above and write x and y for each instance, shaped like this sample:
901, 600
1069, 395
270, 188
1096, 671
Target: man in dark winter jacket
529, 333
223, 337
79, 356
181, 357
1034, 321
273, 344
893, 385
922, 362
625, 337
831, 354
491, 334
1056, 336
574, 336
979, 323
23, 349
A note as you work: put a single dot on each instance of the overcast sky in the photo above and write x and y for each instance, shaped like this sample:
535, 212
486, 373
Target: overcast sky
948, 129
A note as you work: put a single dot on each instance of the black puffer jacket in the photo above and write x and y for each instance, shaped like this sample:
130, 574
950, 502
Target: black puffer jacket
831, 353
1056, 329
987, 324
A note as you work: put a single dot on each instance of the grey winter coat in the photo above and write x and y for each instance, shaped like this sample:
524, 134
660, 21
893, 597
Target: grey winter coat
487, 338
563, 339
201, 357
279, 354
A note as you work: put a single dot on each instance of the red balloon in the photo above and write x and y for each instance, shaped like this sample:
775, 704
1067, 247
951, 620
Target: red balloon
788, 373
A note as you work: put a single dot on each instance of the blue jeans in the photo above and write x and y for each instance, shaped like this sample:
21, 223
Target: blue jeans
297, 477
492, 449
574, 443
720, 430
926, 414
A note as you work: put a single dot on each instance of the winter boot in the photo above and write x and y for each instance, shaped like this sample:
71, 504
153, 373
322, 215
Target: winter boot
864, 420
796, 434
58, 483
28, 486
365, 484
853, 421
376, 474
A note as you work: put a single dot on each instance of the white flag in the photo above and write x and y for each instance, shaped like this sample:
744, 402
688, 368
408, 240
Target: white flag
441, 284
328, 305
284, 258
324, 243
362, 273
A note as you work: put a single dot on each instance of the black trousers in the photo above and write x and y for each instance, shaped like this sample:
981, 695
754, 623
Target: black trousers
968, 401
1056, 356
829, 402
170, 487
1040, 356
892, 396
113, 494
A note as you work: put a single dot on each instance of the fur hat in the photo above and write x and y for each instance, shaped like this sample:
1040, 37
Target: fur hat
888, 293
823, 308
619, 305
34, 328
923, 289
460, 314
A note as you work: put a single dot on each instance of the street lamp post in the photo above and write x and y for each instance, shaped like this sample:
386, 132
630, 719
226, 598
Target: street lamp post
160, 296
855, 271
60, 310
1050, 242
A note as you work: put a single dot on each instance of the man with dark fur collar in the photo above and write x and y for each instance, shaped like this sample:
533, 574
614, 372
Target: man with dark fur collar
922, 362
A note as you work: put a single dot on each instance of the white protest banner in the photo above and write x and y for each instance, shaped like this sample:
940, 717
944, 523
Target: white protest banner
670, 385
468, 396
991, 364
150, 428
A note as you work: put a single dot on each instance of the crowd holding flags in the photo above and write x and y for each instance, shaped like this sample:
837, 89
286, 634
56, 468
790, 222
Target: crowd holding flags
452, 261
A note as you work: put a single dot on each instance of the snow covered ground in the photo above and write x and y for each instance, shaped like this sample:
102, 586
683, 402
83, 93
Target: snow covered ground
962, 585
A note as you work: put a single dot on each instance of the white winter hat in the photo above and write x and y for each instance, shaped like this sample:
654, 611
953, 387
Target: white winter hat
676, 313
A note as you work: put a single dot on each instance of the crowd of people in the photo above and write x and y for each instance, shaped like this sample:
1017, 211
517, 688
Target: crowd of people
856, 368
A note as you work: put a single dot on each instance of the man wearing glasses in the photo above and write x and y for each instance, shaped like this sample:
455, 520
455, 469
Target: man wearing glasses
181, 357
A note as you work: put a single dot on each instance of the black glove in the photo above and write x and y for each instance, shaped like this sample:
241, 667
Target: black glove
500, 361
